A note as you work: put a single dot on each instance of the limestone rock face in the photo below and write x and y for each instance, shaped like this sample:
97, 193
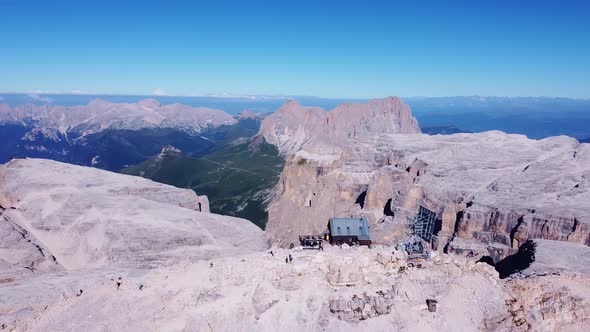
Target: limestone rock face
491, 191
546, 304
57, 215
294, 126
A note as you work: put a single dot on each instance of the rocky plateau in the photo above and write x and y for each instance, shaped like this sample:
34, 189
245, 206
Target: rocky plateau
490, 191
348, 288
56, 216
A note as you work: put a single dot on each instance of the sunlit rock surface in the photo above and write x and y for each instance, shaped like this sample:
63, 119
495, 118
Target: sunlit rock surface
61, 216
294, 127
377, 290
491, 191
91, 250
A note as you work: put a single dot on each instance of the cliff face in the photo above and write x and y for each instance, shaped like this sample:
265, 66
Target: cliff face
293, 126
491, 191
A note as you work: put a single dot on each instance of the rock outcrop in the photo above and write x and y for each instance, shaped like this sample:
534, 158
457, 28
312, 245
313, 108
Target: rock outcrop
294, 127
57, 215
491, 191
550, 303
364, 306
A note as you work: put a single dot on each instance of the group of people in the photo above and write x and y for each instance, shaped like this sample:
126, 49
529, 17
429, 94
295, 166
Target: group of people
288, 259
311, 241
308, 241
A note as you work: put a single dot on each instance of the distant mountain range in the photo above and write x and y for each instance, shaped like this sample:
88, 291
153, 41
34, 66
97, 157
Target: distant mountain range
442, 130
230, 104
115, 135
200, 148
535, 117
217, 154
99, 115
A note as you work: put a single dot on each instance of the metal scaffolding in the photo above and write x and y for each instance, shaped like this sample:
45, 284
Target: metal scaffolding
423, 224
419, 229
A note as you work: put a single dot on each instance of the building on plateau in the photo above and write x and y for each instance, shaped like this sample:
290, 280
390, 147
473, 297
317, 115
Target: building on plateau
348, 230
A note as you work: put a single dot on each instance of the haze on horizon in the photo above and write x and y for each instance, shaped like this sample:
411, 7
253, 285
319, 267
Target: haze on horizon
333, 49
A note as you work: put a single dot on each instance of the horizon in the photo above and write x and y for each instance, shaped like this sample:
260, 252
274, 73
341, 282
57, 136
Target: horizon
535, 117
276, 96
332, 50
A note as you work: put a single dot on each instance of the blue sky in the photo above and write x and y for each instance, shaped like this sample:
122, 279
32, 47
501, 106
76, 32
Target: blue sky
349, 49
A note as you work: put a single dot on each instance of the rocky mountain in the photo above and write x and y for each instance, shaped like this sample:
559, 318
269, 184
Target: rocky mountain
86, 249
535, 117
60, 122
56, 216
115, 135
490, 191
294, 127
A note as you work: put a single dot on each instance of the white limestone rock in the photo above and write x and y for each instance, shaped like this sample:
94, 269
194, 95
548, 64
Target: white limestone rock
237, 294
89, 218
294, 127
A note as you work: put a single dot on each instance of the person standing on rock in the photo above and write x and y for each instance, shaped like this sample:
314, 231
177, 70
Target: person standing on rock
290, 258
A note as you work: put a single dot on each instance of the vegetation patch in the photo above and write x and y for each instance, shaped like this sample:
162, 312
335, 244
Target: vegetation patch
237, 179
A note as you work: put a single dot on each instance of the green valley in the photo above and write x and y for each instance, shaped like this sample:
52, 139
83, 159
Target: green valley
238, 178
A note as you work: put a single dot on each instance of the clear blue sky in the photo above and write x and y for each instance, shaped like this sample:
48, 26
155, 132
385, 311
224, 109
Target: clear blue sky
339, 48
